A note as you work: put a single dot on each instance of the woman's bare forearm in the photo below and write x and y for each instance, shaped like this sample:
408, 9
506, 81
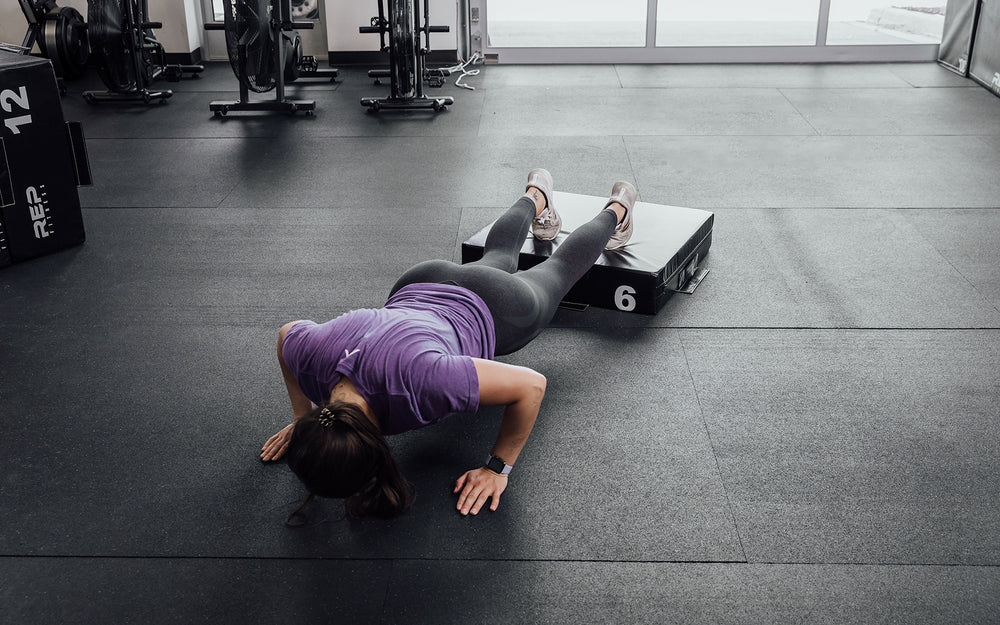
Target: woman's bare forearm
516, 425
520, 391
301, 404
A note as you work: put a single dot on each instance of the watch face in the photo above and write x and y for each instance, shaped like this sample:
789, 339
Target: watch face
497, 466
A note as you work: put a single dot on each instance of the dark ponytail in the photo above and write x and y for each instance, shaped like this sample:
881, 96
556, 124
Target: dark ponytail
338, 452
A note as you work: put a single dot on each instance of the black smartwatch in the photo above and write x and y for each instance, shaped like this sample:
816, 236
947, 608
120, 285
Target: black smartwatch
498, 466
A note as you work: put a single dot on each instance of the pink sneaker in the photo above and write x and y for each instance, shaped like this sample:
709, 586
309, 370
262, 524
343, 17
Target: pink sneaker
545, 226
626, 195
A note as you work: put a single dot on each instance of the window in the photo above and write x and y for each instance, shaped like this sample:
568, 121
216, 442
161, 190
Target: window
712, 31
881, 22
566, 23
737, 23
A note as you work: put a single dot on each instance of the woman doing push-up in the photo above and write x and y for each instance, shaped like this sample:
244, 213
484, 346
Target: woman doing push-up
428, 353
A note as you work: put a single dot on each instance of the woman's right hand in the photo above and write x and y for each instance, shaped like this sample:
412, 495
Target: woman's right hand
275, 446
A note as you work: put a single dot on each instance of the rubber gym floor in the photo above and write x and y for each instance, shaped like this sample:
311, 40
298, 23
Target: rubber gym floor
813, 436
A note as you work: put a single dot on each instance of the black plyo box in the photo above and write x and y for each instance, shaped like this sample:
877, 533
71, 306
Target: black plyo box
984, 67
666, 248
39, 165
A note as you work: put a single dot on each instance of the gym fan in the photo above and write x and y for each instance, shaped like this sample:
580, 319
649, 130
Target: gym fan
61, 34
407, 57
126, 54
265, 53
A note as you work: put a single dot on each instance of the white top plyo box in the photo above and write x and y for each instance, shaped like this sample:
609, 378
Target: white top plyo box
666, 247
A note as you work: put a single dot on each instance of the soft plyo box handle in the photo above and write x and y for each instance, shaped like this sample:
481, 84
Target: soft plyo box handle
6, 184
78, 149
6, 199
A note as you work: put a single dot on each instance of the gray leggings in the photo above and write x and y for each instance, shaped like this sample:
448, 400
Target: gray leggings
521, 303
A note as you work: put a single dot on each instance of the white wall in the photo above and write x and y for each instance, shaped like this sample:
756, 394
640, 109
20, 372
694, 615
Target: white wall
181, 32
13, 26
182, 24
345, 16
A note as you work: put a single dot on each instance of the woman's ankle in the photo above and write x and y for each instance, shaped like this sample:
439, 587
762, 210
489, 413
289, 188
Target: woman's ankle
535, 195
619, 211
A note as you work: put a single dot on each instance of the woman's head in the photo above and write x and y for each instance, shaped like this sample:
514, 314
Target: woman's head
338, 452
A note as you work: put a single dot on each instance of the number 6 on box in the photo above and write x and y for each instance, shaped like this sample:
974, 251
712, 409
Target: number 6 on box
624, 299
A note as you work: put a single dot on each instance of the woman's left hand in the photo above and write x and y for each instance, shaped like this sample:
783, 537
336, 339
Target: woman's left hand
476, 487
276, 446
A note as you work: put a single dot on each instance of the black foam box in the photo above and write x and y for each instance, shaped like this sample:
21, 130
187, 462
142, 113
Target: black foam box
984, 66
957, 36
42, 160
663, 256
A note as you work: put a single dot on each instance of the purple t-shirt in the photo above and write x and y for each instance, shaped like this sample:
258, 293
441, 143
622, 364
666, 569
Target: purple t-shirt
411, 359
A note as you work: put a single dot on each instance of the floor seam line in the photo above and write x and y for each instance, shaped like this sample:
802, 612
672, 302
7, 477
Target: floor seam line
956, 268
628, 159
798, 112
384, 611
394, 560
715, 456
